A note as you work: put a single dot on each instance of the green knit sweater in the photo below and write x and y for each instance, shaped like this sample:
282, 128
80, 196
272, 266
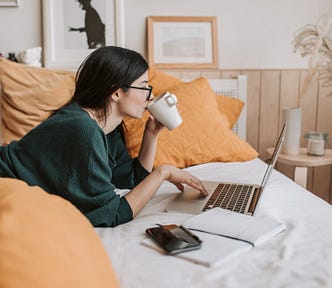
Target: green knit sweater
69, 155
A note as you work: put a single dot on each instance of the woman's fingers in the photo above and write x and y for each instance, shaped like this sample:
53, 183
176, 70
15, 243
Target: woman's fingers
179, 177
190, 180
197, 184
153, 125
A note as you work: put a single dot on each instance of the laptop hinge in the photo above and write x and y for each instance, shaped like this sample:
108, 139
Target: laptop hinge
254, 201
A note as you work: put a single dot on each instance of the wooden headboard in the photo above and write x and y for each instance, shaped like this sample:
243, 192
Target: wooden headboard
237, 88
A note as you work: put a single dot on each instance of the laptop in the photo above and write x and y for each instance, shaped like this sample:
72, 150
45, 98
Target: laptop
236, 197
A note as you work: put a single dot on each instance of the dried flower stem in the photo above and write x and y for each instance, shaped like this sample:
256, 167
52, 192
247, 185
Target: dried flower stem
313, 40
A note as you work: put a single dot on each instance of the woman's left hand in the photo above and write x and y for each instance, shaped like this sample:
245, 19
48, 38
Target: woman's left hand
153, 126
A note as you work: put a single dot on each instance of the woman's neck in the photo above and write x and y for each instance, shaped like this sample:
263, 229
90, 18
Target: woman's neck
107, 126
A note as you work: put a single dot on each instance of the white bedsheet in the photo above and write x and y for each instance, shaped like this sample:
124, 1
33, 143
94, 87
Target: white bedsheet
299, 257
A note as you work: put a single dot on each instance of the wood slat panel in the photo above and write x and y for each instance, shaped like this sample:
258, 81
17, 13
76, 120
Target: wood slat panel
308, 101
269, 111
289, 91
286, 170
253, 101
324, 123
289, 95
321, 184
309, 107
310, 179
324, 111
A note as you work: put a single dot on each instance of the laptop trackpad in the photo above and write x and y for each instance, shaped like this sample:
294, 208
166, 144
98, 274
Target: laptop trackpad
190, 200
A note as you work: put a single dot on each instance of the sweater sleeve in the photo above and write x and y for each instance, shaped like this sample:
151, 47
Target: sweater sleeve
113, 213
127, 172
111, 209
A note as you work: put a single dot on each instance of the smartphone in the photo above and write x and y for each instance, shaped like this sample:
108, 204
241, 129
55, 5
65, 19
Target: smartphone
174, 239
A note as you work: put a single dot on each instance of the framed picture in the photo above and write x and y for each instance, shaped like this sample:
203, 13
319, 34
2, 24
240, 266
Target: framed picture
182, 42
73, 29
8, 3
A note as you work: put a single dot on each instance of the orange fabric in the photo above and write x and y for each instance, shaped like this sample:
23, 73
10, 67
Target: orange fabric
230, 107
161, 81
203, 136
46, 242
29, 95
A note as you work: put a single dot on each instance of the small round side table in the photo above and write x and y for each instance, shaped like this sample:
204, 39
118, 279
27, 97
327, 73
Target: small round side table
302, 161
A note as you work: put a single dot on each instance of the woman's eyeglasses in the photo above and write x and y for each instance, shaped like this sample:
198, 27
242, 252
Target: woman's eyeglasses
148, 88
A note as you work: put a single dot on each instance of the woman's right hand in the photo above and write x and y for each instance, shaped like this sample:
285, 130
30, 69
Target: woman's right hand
144, 191
179, 177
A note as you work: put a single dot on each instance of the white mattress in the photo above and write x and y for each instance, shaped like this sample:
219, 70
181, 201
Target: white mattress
299, 257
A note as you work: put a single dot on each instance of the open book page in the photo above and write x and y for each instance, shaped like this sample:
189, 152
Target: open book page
235, 225
214, 250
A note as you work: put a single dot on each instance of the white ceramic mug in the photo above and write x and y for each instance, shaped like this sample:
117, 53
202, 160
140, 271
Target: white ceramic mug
164, 109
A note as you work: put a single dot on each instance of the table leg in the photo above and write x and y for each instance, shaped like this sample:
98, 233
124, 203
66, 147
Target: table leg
300, 176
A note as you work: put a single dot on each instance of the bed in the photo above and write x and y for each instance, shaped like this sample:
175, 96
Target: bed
301, 256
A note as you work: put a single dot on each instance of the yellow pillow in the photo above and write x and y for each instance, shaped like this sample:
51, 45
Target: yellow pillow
29, 95
46, 242
203, 136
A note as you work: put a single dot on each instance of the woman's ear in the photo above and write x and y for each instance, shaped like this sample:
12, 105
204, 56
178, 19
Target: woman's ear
115, 96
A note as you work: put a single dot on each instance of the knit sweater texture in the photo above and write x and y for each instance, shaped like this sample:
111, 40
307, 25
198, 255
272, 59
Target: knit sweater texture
69, 155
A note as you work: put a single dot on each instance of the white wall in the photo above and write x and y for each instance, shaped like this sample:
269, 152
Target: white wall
20, 28
253, 34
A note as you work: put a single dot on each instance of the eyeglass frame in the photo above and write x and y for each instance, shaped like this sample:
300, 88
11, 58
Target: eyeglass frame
148, 88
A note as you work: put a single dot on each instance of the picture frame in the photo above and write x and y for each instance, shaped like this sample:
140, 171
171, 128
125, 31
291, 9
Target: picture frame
182, 42
66, 43
9, 3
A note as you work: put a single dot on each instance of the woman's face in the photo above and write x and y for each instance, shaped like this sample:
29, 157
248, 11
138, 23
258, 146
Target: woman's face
134, 101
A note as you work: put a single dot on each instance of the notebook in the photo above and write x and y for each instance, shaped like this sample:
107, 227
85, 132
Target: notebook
225, 235
236, 197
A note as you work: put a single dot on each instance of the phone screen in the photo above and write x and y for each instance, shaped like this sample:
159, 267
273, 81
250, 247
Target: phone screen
174, 239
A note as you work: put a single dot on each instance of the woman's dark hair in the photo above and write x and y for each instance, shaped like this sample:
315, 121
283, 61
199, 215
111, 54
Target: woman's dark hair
103, 72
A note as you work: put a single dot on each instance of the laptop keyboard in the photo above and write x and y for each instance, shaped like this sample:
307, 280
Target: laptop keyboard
233, 197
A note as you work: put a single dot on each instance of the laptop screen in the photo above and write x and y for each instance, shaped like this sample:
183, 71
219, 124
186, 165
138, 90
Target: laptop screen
275, 154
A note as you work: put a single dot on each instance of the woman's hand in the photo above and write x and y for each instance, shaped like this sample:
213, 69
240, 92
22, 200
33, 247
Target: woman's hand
144, 191
149, 143
179, 177
153, 126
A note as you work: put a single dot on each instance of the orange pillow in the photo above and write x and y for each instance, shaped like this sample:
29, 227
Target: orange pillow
161, 81
46, 242
203, 136
29, 95
231, 107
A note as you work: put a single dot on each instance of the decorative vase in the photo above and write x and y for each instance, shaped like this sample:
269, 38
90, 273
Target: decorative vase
293, 117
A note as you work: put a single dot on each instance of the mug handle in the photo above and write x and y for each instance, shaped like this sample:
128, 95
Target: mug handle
171, 100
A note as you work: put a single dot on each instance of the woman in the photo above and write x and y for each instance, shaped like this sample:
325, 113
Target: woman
79, 152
